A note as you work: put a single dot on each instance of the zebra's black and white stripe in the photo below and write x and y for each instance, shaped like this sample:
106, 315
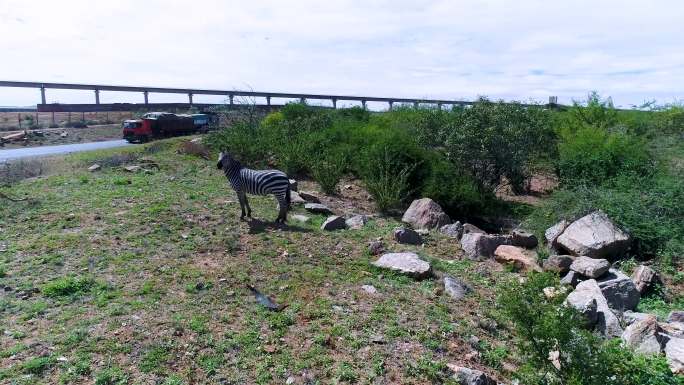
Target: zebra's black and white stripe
256, 182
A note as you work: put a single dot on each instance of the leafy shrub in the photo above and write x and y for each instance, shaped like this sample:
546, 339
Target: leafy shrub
593, 155
458, 193
328, 172
495, 140
544, 325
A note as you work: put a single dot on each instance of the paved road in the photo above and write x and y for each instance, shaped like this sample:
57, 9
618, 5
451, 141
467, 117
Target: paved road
28, 152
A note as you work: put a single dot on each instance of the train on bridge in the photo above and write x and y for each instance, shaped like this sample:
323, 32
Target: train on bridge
155, 125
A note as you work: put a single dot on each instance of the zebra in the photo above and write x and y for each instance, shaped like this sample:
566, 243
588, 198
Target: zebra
257, 182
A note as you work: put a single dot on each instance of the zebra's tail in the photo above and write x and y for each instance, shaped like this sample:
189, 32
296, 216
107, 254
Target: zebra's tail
287, 197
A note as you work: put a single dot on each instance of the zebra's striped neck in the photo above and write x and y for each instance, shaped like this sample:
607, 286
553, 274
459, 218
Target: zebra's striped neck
232, 168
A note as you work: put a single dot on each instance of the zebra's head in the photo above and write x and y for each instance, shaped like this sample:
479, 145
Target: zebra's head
225, 160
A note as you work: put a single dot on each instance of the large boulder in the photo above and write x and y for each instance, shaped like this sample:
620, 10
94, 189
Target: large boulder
644, 335
553, 232
524, 239
470, 228
619, 290
406, 263
334, 222
454, 230
425, 214
606, 321
407, 236
674, 352
572, 278
479, 246
558, 263
629, 317
590, 267
645, 278
467, 376
595, 236
520, 258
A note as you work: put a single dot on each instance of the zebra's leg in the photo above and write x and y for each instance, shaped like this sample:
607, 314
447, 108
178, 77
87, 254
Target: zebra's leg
242, 204
249, 209
282, 213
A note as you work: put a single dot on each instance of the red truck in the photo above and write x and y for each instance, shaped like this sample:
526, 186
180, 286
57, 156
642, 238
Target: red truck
161, 124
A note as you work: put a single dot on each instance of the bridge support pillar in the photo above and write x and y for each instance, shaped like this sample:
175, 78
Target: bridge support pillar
439, 106
415, 104
145, 93
302, 100
97, 96
363, 104
334, 102
230, 98
390, 104
190, 98
268, 100
42, 95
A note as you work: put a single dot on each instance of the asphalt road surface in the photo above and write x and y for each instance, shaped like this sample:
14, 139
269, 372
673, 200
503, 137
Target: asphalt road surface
18, 153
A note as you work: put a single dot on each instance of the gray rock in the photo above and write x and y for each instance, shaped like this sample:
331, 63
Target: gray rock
293, 185
300, 218
425, 214
676, 316
645, 278
94, 167
407, 236
317, 208
674, 352
467, 376
607, 323
572, 278
309, 197
479, 246
644, 336
629, 317
356, 222
405, 263
558, 263
673, 329
590, 267
524, 239
619, 290
594, 236
455, 287
370, 289
552, 233
296, 199
376, 247
470, 228
334, 222
454, 230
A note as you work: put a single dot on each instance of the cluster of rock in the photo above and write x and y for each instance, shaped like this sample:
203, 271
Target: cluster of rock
606, 297
313, 205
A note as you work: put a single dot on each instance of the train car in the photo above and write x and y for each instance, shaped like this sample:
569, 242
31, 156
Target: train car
157, 125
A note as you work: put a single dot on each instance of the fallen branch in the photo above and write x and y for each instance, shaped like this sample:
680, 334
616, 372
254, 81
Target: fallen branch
3, 195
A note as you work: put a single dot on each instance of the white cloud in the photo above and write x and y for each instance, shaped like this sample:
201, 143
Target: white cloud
630, 50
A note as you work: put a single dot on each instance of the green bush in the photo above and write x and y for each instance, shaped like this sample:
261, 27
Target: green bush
592, 155
458, 193
544, 325
495, 140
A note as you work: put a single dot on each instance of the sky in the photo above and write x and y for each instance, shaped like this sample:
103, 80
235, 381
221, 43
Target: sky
632, 51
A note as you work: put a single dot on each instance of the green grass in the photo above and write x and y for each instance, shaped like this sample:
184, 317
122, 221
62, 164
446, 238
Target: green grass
143, 276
